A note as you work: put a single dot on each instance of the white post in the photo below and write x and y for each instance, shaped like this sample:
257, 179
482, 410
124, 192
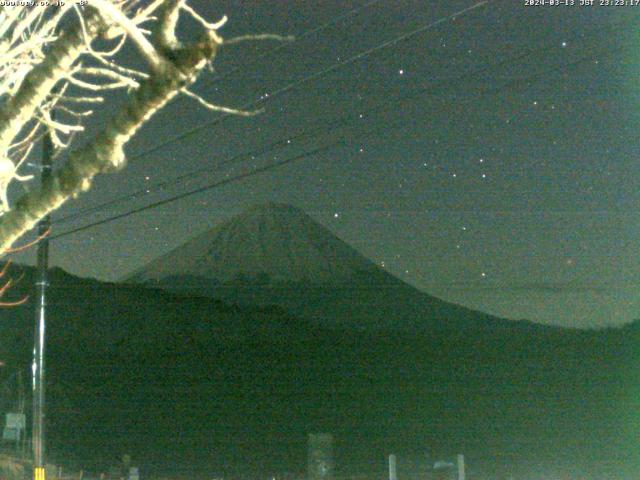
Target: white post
461, 467
393, 474
320, 464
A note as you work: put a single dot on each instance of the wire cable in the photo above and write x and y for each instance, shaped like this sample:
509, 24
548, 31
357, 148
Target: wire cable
290, 86
314, 130
217, 184
196, 191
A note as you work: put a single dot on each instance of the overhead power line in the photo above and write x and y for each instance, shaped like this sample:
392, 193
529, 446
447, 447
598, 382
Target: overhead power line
314, 76
196, 191
326, 126
511, 84
279, 91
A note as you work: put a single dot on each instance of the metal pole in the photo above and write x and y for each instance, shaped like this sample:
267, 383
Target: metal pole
38, 366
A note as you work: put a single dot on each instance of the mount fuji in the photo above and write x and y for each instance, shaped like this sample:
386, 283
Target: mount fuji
275, 254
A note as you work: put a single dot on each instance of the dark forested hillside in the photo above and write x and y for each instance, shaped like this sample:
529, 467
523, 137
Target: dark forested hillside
197, 386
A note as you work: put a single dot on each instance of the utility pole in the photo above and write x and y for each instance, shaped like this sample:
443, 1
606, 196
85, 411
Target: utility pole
38, 366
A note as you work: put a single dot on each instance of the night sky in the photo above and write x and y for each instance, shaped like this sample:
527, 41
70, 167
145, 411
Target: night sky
506, 180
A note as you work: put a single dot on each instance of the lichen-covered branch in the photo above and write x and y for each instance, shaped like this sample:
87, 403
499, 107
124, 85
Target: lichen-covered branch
105, 152
58, 69
40, 55
19, 109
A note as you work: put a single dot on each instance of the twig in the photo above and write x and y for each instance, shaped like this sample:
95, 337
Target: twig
218, 108
262, 36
